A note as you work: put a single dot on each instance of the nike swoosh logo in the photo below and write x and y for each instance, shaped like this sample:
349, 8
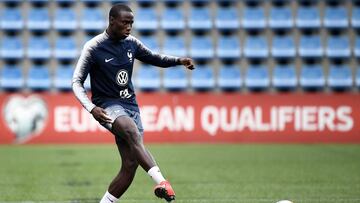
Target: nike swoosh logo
107, 60
108, 197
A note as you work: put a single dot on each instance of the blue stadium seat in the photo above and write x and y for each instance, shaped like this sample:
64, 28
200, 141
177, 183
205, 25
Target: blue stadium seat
228, 47
174, 45
65, 19
11, 47
256, 47
65, 48
283, 46
338, 46
284, 77
253, 18
312, 77
257, 78
92, 19
200, 18
357, 78
11, 78
201, 47
308, 17
229, 78
63, 77
357, 46
335, 17
150, 42
39, 48
281, 17
175, 79
310, 46
146, 19
173, 19
339, 78
355, 17
148, 78
202, 78
227, 18
38, 78
11, 19
38, 19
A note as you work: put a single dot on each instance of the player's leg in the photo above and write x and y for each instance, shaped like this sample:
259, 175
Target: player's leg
125, 176
126, 128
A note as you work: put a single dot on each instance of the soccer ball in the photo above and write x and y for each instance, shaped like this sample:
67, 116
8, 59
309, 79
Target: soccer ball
284, 201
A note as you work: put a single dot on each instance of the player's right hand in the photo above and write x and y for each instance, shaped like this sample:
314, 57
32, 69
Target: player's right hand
100, 115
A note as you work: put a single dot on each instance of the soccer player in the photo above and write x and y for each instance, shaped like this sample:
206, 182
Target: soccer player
109, 59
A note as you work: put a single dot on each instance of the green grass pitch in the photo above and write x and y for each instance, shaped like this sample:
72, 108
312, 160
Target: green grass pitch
199, 173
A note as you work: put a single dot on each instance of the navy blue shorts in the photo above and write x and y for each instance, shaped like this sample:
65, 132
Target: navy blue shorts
114, 111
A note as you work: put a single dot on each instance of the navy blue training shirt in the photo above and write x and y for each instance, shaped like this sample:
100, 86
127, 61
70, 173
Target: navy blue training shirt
110, 65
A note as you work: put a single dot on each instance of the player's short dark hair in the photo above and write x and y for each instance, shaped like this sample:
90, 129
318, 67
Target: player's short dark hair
117, 8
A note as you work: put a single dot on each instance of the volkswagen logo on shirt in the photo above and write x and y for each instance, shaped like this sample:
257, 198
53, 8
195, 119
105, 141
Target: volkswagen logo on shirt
122, 77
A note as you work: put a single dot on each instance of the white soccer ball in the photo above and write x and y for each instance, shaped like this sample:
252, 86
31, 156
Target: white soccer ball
284, 201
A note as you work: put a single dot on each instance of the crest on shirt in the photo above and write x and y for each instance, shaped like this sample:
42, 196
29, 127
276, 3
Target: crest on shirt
129, 55
122, 77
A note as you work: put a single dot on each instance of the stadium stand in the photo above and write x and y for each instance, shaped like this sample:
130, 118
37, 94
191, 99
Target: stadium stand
175, 79
202, 78
38, 19
201, 47
339, 78
11, 78
308, 17
284, 77
229, 78
146, 19
257, 78
39, 48
312, 77
11, 19
200, 18
11, 47
148, 78
310, 46
283, 46
227, 35
335, 17
92, 19
65, 48
38, 78
65, 19
355, 19
63, 77
174, 45
173, 19
227, 18
253, 18
281, 17
338, 46
256, 47
228, 47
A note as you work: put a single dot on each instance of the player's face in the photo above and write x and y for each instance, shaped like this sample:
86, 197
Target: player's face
122, 24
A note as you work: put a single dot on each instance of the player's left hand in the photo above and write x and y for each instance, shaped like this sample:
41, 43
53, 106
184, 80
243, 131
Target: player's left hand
187, 62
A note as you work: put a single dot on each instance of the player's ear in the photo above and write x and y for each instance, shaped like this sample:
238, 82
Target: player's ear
111, 20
